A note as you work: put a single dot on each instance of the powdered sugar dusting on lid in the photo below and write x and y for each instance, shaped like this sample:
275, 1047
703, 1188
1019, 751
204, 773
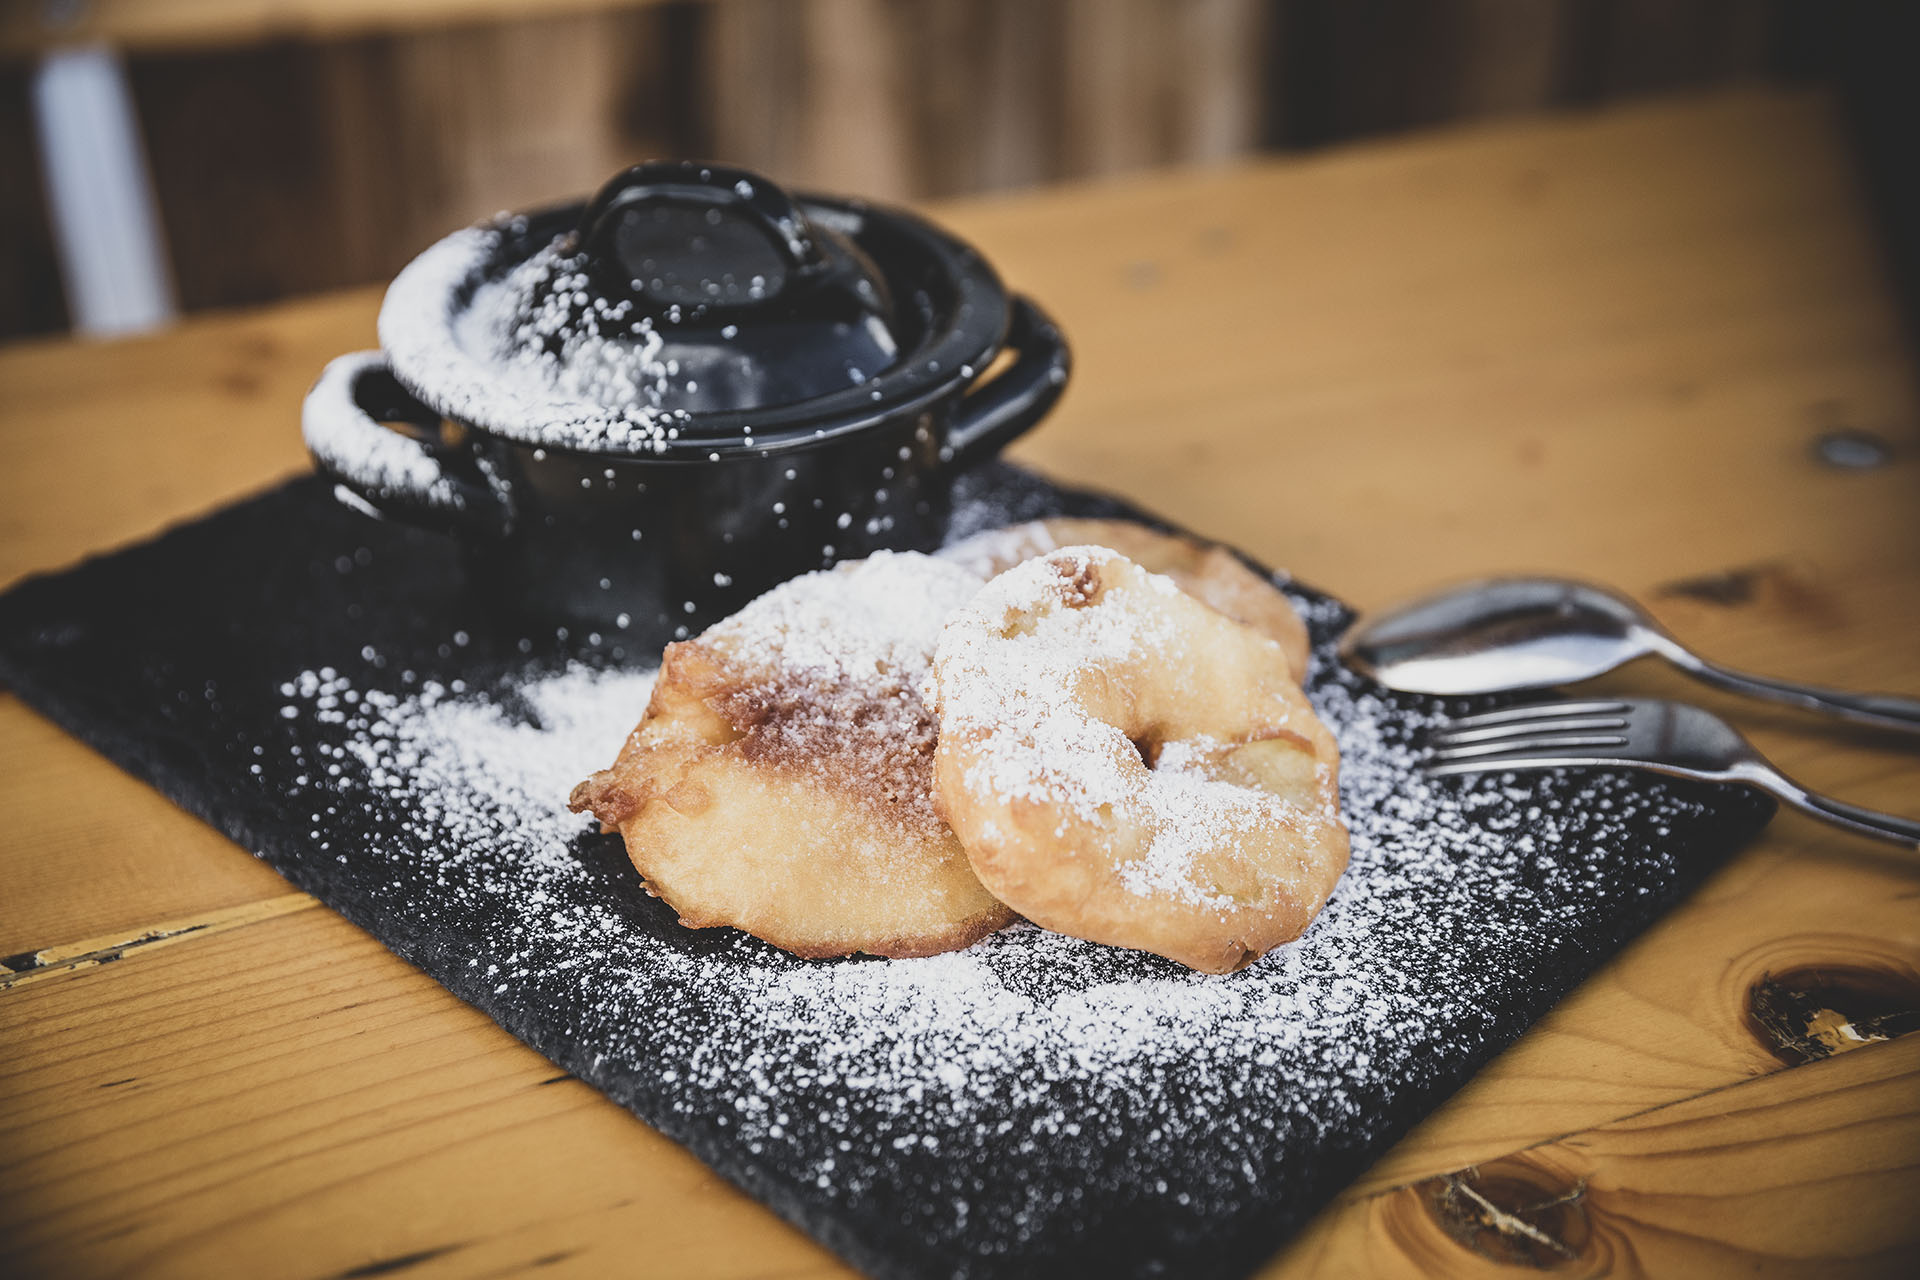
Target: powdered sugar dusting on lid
1032, 1099
534, 355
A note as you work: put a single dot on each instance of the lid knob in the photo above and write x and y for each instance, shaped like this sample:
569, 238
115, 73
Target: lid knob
696, 237
744, 302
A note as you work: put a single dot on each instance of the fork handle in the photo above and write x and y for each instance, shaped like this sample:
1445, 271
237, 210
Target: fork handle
1866, 822
1881, 710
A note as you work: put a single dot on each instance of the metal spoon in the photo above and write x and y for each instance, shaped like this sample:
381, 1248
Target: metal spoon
1505, 634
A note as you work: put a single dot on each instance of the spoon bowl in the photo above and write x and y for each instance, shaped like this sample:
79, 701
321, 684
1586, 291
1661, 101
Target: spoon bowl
1503, 635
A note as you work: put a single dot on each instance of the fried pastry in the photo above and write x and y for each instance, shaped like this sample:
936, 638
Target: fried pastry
1128, 765
1205, 571
781, 780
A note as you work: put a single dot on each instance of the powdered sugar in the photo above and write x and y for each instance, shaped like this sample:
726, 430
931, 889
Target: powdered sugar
533, 354
822, 677
1034, 1099
352, 445
1192, 814
879, 616
991, 551
1026, 673
1060, 756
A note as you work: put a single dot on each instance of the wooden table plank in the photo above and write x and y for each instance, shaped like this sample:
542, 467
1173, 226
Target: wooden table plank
287, 1099
106, 442
1715, 1185
91, 874
1455, 357
245, 1077
1600, 345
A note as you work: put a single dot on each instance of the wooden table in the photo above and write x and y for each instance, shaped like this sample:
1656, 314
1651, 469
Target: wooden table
1602, 345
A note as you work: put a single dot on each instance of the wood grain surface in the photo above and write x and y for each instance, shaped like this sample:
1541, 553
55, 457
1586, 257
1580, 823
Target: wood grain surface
1606, 345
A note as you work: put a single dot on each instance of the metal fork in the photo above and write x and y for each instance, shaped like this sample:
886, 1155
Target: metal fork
1639, 733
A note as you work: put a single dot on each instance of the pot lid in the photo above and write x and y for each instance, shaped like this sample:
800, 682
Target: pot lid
690, 308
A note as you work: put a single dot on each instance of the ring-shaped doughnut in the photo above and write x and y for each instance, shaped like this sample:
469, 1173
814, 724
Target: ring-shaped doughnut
1127, 765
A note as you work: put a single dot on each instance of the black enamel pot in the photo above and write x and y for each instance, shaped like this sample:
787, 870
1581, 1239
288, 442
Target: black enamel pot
638, 413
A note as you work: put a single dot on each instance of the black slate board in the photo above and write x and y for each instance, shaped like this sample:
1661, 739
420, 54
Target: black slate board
1033, 1107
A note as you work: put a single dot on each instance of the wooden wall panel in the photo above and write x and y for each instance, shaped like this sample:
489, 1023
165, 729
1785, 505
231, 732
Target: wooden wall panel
755, 55
946, 42
1507, 55
1115, 89
290, 165
241, 169
30, 291
854, 115
296, 167
1023, 95
1219, 56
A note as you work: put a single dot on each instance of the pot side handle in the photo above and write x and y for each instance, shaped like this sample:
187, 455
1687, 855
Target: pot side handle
400, 471
992, 414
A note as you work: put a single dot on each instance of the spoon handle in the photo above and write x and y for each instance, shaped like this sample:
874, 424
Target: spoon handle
1881, 710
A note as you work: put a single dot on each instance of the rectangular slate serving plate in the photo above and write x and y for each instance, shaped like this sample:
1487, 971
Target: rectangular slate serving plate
324, 689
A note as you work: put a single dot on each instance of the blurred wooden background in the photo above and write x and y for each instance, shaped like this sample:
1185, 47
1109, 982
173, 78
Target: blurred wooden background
311, 145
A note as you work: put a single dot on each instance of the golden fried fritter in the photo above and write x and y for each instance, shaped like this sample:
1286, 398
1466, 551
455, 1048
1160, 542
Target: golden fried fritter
781, 781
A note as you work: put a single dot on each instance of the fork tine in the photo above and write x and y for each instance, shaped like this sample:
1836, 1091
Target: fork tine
1495, 764
1527, 746
1515, 730
1539, 711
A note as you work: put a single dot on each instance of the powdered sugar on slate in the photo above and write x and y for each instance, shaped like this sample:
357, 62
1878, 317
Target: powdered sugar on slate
1000, 1104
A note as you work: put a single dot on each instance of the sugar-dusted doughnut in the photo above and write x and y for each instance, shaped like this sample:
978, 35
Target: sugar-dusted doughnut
1204, 570
781, 781
1125, 764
